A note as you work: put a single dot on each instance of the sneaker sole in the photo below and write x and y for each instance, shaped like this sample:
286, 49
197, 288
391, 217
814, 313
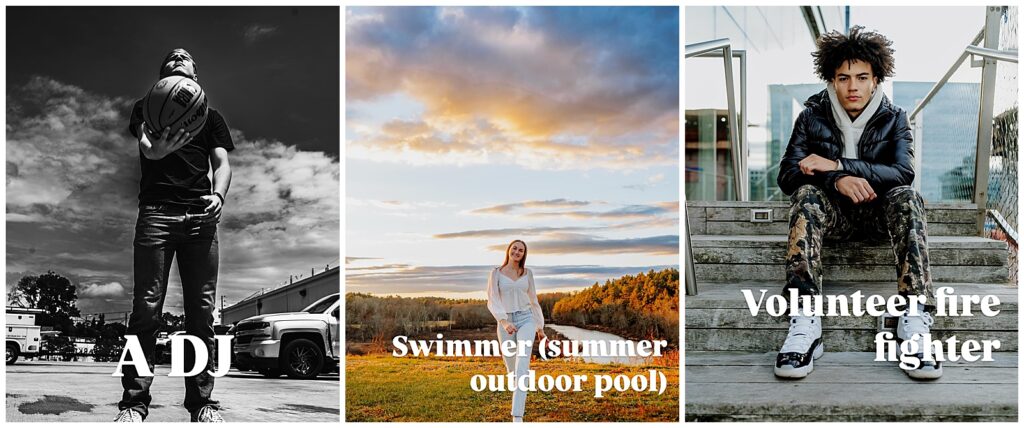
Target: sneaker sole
924, 374
801, 372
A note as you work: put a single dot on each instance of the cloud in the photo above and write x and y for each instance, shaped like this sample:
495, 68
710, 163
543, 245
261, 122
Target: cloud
111, 289
72, 186
549, 230
507, 232
647, 184
551, 203
543, 87
392, 278
572, 243
255, 32
624, 212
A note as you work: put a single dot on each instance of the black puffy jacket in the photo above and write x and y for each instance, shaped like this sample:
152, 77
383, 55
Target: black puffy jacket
886, 148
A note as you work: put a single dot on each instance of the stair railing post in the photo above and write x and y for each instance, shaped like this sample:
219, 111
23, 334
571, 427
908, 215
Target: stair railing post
740, 184
983, 150
917, 128
734, 136
691, 276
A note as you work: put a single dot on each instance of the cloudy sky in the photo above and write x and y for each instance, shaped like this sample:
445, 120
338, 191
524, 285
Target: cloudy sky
73, 169
469, 127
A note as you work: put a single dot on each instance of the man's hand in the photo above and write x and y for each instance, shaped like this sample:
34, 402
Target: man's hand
856, 188
817, 163
214, 204
157, 146
540, 334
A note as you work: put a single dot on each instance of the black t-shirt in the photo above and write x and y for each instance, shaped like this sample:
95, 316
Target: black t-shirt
181, 177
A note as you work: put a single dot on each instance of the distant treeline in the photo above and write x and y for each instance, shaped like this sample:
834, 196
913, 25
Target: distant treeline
381, 318
641, 306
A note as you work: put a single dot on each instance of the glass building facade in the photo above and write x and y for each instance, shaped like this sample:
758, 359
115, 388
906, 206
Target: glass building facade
777, 42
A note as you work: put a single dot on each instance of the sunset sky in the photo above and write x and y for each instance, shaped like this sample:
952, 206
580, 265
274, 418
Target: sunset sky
470, 127
73, 169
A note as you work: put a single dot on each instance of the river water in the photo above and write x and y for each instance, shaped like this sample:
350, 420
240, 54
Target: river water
576, 333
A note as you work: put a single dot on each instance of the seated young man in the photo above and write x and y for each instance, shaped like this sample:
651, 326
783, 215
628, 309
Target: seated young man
848, 168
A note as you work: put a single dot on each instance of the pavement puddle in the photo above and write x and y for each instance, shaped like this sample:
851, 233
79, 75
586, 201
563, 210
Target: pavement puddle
54, 405
302, 408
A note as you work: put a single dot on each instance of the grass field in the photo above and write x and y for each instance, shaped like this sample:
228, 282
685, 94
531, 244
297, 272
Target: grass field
385, 388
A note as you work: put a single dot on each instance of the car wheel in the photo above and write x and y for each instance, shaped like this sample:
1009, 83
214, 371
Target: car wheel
271, 373
302, 359
12, 353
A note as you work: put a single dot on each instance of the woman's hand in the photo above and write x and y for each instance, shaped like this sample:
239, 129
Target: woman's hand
511, 329
540, 334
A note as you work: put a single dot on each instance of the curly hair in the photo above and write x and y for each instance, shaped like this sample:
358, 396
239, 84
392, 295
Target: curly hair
835, 49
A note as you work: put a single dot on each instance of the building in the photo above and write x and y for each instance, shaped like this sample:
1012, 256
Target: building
949, 134
785, 102
291, 297
777, 42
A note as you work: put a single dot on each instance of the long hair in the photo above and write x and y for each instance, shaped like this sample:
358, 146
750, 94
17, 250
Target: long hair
835, 49
522, 262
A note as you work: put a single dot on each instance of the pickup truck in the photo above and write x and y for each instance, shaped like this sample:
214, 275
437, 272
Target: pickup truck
300, 344
23, 335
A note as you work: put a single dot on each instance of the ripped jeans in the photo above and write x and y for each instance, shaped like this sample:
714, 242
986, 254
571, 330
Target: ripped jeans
898, 215
519, 364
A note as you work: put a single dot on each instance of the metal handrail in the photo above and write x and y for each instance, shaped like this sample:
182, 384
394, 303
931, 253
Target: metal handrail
691, 275
700, 48
945, 78
996, 54
971, 49
1005, 225
991, 55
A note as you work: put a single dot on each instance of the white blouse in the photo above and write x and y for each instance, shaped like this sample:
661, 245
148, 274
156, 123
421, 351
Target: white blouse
505, 295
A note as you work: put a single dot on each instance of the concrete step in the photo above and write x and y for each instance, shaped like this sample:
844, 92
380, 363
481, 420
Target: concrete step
846, 386
762, 257
718, 319
734, 218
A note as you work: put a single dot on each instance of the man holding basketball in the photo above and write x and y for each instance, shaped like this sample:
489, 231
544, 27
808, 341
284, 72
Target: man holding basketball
179, 208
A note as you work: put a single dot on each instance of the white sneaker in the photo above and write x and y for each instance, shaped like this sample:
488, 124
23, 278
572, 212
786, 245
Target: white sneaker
908, 326
803, 345
128, 415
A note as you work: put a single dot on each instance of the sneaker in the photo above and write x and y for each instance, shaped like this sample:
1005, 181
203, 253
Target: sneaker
920, 324
803, 345
207, 414
128, 415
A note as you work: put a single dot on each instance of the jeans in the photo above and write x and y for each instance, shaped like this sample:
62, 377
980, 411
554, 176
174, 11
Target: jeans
520, 365
898, 215
161, 233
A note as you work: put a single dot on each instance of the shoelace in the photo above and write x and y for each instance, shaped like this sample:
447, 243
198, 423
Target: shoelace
209, 415
801, 335
126, 415
917, 324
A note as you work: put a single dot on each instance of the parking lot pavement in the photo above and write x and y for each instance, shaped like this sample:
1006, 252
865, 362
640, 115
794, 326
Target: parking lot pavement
39, 391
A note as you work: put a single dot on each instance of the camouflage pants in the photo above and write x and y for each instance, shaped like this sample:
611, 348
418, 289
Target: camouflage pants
898, 215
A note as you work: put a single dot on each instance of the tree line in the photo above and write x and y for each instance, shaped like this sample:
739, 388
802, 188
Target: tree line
57, 296
644, 306
639, 306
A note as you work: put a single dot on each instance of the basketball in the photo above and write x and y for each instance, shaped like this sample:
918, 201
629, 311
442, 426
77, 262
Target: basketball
175, 102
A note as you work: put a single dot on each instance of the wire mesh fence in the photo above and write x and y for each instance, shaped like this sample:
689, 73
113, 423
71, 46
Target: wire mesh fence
1002, 223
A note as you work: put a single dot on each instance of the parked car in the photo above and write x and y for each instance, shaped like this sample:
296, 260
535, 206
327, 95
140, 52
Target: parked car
163, 348
300, 344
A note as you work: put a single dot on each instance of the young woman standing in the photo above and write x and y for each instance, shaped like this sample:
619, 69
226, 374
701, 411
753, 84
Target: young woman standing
512, 299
